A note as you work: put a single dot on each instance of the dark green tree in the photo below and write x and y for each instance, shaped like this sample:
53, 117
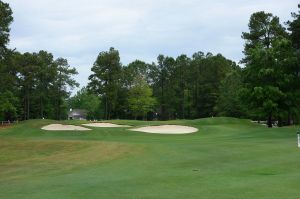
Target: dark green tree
8, 99
63, 80
88, 101
294, 28
6, 19
270, 66
270, 79
263, 29
229, 103
160, 76
140, 98
180, 84
212, 70
8, 106
45, 73
28, 65
105, 80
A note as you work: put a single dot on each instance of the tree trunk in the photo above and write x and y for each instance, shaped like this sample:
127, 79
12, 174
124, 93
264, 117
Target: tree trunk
162, 109
289, 119
279, 122
109, 111
41, 107
27, 107
269, 122
182, 89
58, 114
106, 107
189, 107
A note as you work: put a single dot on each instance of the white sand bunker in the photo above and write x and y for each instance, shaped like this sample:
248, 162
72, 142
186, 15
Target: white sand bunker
167, 129
104, 124
61, 127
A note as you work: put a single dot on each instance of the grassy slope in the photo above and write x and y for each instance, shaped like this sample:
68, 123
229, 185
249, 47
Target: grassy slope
227, 158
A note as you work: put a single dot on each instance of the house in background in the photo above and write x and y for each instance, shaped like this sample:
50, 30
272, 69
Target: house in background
77, 114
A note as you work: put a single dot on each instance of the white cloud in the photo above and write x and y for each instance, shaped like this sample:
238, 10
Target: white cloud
139, 29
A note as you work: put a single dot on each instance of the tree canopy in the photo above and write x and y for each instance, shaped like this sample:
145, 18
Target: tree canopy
266, 87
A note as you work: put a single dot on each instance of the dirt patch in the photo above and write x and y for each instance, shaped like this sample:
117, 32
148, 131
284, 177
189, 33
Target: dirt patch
105, 124
4, 126
167, 129
20, 158
61, 127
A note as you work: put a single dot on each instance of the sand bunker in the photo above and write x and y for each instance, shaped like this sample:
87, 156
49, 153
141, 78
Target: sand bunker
60, 127
167, 129
104, 124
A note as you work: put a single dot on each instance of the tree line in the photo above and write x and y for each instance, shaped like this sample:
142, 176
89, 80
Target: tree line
172, 88
265, 87
32, 85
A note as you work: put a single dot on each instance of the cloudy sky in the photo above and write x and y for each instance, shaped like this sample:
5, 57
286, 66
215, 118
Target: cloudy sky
140, 29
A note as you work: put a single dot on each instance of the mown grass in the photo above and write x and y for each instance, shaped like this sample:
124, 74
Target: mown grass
226, 158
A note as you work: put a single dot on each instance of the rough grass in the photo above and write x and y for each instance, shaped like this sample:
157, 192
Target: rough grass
20, 159
226, 158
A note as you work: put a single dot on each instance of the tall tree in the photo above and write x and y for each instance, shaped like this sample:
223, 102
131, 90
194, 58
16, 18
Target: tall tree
8, 106
133, 70
140, 98
160, 76
106, 80
294, 28
63, 80
288, 65
30, 82
229, 102
263, 29
28, 65
212, 70
270, 66
180, 82
8, 78
5, 21
45, 73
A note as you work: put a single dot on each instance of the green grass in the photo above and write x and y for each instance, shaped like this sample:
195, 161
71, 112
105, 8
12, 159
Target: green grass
226, 158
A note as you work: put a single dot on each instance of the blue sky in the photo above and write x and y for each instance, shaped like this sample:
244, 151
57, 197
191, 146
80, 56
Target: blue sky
140, 29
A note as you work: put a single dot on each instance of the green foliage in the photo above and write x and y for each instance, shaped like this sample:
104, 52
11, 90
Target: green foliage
106, 80
8, 106
203, 85
294, 28
134, 69
140, 98
263, 29
39, 82
160, 77
271, 75
212, 71
88, 101
63, 79
229, 102
6, 19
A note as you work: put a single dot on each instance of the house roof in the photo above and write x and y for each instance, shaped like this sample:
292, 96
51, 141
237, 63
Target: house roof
81, 112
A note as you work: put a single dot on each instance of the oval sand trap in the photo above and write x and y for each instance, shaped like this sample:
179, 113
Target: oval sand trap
104, 124
167, 129
61, 127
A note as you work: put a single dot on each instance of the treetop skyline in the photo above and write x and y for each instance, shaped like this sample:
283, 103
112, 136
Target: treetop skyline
139, 29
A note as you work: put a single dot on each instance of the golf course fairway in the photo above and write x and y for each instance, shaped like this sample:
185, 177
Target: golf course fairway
225, 158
